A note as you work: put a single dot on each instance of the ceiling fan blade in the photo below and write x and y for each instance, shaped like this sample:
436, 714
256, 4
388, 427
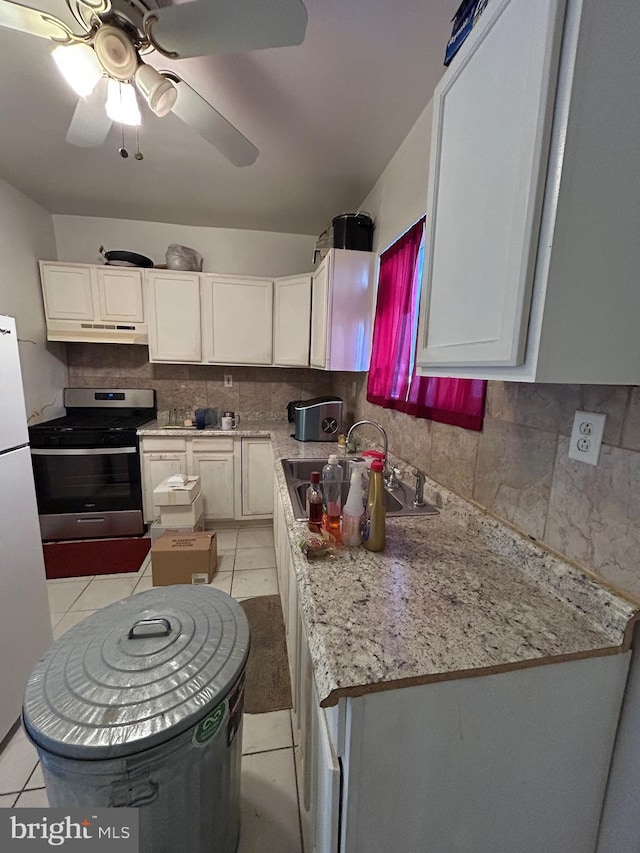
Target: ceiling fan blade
90, 124
205, 27
36, 23
193, 110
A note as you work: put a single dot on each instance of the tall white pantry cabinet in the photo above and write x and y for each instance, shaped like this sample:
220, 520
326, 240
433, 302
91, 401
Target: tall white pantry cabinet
533, 211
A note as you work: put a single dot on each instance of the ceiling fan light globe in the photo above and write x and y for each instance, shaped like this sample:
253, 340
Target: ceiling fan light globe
157, 91
164, 99
122, 104
79, 66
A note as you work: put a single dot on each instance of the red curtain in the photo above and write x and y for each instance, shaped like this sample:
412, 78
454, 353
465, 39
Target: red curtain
393, 382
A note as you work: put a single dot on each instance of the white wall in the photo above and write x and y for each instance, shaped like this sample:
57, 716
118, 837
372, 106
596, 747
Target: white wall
399, 197
224, 250
26, 236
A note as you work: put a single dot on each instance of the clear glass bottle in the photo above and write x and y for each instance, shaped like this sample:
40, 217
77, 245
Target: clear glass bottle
332, 475
374, 536
314, 503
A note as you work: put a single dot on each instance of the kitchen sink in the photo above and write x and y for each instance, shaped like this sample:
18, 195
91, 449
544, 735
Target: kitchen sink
297, 472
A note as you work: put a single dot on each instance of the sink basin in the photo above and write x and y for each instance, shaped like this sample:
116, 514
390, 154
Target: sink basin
300, 469
398, 502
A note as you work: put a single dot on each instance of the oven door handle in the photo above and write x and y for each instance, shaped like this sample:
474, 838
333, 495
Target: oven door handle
84, 451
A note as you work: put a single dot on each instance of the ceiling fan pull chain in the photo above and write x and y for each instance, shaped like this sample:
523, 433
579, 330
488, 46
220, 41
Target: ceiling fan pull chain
123, 151
138, 155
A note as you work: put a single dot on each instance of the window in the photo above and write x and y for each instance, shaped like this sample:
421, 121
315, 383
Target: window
393, 382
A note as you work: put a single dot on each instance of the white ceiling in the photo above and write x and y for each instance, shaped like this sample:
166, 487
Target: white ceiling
327, 117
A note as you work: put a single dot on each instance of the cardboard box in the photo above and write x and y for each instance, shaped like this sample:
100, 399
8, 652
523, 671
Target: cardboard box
181, 516
177, 558
157, 530
165, 495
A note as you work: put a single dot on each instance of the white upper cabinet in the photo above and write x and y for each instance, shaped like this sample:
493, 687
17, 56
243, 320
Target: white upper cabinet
84, 302
238, 319
67, 291
120, 294
342, 305
532, 252
291, 320
173, 306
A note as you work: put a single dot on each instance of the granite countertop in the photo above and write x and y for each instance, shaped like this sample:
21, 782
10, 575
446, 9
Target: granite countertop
454, 595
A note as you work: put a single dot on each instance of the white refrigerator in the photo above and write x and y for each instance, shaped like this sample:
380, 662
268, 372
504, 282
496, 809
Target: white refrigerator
25, 624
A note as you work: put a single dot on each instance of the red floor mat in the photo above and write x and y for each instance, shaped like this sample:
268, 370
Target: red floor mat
94, 557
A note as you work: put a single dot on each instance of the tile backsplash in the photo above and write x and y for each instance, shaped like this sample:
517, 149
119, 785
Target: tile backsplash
261, 392
517, 467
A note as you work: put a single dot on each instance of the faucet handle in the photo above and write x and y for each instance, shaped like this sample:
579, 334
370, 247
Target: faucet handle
419, 490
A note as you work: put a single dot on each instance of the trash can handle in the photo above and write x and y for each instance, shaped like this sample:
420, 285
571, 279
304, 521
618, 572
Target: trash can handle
163, 629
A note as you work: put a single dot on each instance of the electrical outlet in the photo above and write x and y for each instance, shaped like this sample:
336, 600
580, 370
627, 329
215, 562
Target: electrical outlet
586, 437
228, 380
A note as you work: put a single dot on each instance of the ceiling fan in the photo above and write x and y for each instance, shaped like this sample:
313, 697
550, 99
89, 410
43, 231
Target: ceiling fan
104, 63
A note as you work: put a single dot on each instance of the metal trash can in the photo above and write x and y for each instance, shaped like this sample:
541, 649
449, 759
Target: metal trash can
141, 705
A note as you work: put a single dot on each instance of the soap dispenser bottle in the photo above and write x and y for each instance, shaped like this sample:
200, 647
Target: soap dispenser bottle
374, 536
353, 510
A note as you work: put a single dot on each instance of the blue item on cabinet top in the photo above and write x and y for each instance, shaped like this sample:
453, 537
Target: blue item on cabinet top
464, 21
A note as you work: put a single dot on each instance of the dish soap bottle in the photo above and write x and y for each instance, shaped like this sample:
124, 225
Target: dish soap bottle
314, 503
352, 515
332, 495
374, 529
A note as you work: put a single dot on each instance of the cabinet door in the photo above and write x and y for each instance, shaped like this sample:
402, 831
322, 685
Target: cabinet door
238, 320
291, 320
216, 480
320, 313
490, 139
67, 291
120, 294
173, 302
156, 467
257, 477
326, 777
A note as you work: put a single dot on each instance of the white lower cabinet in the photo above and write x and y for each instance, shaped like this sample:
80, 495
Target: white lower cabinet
213, 460
489, 763
257, 478
317, 763
160, 458
235, 485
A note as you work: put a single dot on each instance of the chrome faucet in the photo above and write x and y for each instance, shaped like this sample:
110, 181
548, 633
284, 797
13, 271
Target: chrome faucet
389, 474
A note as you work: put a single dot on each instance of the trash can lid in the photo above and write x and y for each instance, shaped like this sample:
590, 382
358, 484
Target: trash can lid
136, 673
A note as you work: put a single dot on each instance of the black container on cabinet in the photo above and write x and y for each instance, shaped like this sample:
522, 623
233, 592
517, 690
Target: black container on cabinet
353, 231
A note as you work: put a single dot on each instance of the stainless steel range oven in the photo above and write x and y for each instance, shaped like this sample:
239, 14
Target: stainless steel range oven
86, 464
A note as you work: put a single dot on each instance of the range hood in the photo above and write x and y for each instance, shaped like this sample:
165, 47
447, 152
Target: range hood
98, 332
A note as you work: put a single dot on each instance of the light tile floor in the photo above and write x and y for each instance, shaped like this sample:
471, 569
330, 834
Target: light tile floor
246, 567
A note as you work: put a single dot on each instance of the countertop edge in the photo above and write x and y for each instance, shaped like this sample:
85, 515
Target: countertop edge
338, 693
